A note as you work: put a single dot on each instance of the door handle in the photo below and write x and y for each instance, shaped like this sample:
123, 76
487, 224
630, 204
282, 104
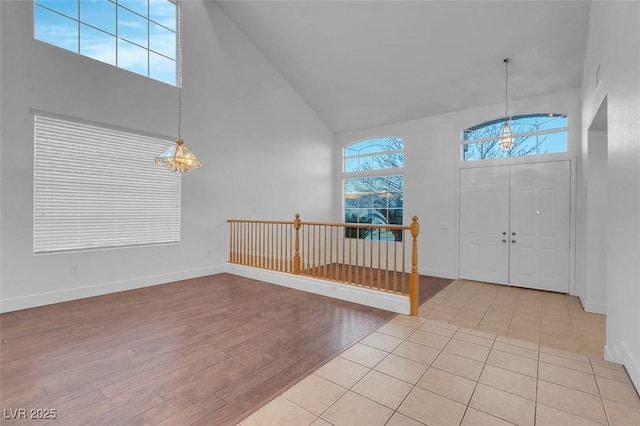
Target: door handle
513, 241
504, 241
513, 233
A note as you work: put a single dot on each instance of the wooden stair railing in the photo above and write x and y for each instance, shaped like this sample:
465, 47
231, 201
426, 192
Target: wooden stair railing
363, 255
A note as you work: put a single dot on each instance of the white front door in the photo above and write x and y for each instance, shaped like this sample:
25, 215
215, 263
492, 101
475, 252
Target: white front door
539, 226
514, 225
484, 224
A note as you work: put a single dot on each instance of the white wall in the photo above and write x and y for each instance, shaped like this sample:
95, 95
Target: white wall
265, 153
432, 161
614, 45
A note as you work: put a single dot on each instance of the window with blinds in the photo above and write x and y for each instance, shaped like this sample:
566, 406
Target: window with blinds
96, 187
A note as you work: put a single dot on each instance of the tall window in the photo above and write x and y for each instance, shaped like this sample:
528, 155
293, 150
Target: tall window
137, 35
373, 183
98, 187
534, 134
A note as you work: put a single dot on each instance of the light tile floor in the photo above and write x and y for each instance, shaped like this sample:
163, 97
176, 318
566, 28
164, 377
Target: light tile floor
541, 317
427, 371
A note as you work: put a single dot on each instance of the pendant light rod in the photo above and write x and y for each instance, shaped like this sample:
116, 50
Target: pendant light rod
179, 76
505, 136
506, 87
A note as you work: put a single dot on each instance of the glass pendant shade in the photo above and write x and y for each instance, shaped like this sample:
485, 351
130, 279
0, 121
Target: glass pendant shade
505, 137
178, 158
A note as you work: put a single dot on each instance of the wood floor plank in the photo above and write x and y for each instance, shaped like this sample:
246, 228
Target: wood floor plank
205, 351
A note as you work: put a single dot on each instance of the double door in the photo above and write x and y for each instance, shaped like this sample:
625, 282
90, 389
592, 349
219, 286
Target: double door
515, 225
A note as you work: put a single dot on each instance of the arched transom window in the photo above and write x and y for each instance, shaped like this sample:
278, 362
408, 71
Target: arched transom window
373, 183
534, 134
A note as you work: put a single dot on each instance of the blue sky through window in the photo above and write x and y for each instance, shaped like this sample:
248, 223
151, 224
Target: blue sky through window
136, 35
535, 134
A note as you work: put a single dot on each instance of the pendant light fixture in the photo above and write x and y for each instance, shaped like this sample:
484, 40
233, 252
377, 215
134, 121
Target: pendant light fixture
505, 137
178, 158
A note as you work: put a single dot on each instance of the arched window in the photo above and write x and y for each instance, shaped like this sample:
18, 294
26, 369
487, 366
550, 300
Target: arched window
534, 134
373, 184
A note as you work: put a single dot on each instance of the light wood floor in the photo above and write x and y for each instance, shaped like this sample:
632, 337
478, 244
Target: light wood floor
206, 351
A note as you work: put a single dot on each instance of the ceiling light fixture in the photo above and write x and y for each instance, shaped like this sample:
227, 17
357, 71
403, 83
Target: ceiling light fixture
505, 137
177, 157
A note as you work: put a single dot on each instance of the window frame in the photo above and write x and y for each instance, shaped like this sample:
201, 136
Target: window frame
499, 121
370, 173
118, 38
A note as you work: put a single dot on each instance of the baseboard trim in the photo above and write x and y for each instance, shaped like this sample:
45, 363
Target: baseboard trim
621, 354
375, 299
42, 299
438, 274
595, 308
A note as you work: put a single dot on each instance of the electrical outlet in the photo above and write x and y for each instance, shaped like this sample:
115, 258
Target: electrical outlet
75, 269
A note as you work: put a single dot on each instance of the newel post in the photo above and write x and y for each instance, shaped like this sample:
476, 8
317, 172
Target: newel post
296, 256
414, 285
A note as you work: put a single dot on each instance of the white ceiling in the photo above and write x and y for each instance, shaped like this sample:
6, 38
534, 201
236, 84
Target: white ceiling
362, 64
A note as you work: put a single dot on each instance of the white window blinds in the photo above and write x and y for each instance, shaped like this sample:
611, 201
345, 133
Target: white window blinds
96, 187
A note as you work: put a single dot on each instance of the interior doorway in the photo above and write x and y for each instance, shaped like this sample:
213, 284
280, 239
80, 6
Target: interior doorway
595, 214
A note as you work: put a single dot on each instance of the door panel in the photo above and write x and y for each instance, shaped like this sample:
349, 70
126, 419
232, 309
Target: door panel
531, 203
484, 216
540, 217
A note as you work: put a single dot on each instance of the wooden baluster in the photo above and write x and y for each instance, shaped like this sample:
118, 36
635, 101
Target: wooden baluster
238, 239
287, 249
231, 231
379, 276
274, 245
314, 269
364, 255
255, 245
265, 245
357, 277
386, 265
371, 260
311, 249
414, 281
324, 259
331, 266
269, 228
344, 254
403, 278
349, 268
337, 269
280, 245
395, 267
247, 243
260, 239
296, 256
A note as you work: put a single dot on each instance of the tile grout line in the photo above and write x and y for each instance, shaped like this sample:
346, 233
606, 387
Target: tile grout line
478, 382
604, 407
535, 406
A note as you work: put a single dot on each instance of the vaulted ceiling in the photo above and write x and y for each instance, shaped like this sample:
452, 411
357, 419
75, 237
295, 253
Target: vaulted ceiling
362, 64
